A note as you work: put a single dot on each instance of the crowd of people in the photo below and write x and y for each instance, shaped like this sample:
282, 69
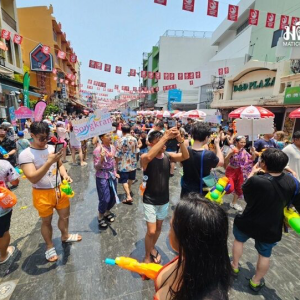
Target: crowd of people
265, 176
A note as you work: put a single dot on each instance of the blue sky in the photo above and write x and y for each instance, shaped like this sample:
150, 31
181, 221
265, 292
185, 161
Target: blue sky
119, 31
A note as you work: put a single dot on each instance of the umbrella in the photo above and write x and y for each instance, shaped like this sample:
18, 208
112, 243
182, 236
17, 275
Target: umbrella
295, 114
179, 114
196, 114
251, 112
164, 114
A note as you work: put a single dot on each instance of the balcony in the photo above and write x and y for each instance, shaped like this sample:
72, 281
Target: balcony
9, 20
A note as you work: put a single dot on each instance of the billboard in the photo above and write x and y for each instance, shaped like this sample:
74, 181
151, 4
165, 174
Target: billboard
292, 95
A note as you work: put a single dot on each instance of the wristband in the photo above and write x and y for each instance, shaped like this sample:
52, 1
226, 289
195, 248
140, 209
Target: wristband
181, 142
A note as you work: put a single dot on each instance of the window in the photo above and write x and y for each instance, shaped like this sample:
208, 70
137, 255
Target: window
54, 36
276, 35
242, 27
17, 55
9, 51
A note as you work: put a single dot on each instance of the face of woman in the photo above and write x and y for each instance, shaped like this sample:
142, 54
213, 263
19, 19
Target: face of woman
172, 238
106, 139
241, 143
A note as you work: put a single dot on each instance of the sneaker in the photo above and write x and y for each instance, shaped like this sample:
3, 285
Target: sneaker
236, 207
256, 287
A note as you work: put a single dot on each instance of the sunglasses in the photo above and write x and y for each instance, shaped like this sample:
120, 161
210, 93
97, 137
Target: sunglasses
45, 138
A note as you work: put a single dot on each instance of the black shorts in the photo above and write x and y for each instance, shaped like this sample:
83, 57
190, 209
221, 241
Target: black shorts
5, 223
125, 176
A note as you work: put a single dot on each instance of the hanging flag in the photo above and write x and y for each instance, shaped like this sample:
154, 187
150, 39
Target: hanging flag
5, 34
107, 68
221, 71
156, 89
61, 54
116, 87
118, 70
66, 81
92, 64
61, 80
157, 75
18, 39
180, 76
55, 78
253, 17
54, 71
284, 22
73, 83
166, 76
43, 67
69, 75
134, 89
46, 49
188, 5
186, 75
294, 21
198, 74
150, 75
226, 70
172, 76
132, 72
73, 77
98, 65
144, 74
162, 2
233, 13
191, 75
90, 81
212, 8
270, 22
191, 82
73, 58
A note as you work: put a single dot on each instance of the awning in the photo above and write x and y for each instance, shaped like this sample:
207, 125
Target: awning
78, 103
13, 88
6, 71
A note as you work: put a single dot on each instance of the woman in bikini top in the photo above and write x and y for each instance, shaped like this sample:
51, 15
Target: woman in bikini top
202, 270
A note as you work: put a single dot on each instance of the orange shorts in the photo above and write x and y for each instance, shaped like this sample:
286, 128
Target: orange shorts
46, 200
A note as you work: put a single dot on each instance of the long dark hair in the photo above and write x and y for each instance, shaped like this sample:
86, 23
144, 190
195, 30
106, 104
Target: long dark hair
201, 228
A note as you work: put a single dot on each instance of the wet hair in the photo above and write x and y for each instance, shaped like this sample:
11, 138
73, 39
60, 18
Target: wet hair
275, 160
125, 128
39, 127
296, 135
159, 124
239, 138
280, 135
154, 135
115, 124
200, 131
201, 229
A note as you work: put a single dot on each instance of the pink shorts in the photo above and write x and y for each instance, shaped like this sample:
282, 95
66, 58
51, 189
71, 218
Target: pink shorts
63, 141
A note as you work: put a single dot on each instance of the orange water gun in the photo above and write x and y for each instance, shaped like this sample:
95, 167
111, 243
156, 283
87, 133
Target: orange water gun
149, 270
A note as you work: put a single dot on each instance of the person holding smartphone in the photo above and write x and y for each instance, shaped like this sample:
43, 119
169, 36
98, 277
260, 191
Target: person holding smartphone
41, 164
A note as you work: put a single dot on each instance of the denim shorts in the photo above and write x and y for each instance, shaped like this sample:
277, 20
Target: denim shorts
155, 212
145, 150
125, 176
264, 249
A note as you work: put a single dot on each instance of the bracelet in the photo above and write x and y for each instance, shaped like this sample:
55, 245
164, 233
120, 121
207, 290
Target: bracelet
181, 142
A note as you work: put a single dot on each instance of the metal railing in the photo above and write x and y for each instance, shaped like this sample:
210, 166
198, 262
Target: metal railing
189, 33
9, 20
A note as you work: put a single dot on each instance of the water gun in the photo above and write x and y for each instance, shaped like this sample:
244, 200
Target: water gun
292, 218
4, 152
20, 171
66, 189
143, 185
217, 192
149, 270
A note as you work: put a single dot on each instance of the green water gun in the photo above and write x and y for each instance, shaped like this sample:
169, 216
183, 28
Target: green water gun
66, 189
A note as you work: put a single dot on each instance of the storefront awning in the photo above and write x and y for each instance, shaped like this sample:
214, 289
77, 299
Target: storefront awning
78, 103
13, 88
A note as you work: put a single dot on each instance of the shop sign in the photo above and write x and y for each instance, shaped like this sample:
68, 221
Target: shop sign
253, 85
292, 95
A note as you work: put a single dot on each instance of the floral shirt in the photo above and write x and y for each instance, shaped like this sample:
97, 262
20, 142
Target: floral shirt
109, 163
242, 160
127, 148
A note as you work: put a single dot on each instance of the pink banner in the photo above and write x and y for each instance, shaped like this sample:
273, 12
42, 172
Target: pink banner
23, 113
39, 110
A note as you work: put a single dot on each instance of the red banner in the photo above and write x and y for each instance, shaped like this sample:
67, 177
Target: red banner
107, 68
162, 2
188, 5
73, 58
172, 76
18, 39
69, 76
66, 81
46, 49
180, 76
150, 75
132, 72
73, 77
198, 74
98, 65
191, 82
92, 64
233, 13
61, 54
186, 76
144, 74
116, 87
166, 76
270, 22
221, 71
54, 71
253, 17
134, 89
118, 70
212, 8
294, 21
5, 34
191, 75
157, 75
284, 22
156, 89
226, 70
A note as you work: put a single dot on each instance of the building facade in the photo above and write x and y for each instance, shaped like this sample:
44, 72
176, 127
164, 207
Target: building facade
58, 87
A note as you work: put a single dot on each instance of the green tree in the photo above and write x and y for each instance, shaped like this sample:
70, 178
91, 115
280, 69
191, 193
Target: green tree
50, 108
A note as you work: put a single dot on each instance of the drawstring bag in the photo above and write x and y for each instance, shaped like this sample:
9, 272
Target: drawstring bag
7, 198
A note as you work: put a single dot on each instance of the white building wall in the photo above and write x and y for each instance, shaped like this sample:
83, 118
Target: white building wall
180, 55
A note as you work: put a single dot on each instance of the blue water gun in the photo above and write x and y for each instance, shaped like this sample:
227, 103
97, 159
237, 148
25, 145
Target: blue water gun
4, 152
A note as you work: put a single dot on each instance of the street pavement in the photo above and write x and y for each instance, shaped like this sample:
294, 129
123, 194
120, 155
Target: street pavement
80, 273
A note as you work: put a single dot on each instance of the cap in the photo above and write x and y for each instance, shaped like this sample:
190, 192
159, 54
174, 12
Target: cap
20, 133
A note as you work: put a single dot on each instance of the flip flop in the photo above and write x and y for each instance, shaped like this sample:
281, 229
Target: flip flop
127, 201
10, 254
72, 238
102, 223
155, 257
51, 253
110, 217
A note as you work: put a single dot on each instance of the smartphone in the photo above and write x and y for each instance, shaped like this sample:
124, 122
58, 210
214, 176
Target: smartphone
58, 147
171, 123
